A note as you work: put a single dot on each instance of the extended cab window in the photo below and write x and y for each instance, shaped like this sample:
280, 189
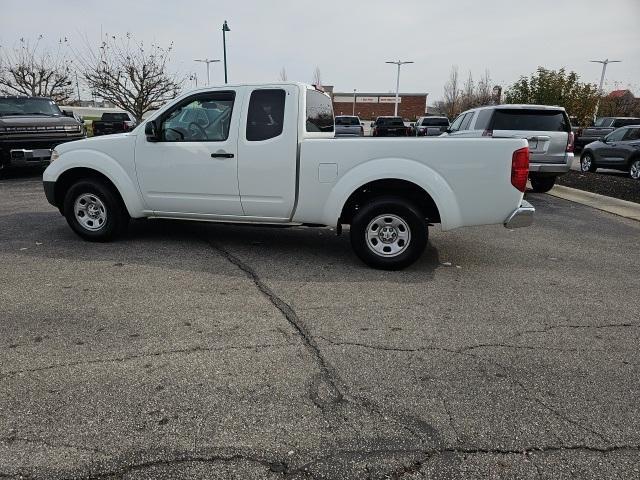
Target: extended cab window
205, 117
319, 112
530, 119
266, 114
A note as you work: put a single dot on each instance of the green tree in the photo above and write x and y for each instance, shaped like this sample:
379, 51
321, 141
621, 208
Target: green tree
556, 87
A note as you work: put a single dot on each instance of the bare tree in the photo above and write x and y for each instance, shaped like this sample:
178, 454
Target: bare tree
28, 70
452, 94
283, 75
467, 99
129, 74
317, 77
484, 94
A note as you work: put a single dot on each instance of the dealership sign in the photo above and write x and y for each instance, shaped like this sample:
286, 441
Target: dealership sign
390, 99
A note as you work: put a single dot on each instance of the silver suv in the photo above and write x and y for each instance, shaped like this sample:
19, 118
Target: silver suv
547, 129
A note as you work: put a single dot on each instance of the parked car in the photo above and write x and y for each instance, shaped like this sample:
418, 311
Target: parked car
29, 129
348, 126
620, 150
602, 127
389, 127
113, 122
275, 161
431, 126
546, 128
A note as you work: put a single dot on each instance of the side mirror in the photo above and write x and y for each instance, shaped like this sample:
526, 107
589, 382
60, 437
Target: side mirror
412, 124
67, 113
603, 139
372, 125
151, 131
448, 130
362, 124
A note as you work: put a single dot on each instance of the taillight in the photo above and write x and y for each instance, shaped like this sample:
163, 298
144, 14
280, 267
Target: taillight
520, 168
487, 133
361, 130
570, 142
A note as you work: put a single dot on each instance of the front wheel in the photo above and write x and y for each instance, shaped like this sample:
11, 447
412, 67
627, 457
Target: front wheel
94, 211
542, 184
634, 169
587, 163
389, 233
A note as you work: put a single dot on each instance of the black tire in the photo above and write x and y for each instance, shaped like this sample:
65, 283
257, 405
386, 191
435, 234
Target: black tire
410, 218
106, 201
542, 184
587, 162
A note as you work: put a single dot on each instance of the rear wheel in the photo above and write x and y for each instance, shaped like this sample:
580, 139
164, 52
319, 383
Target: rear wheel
94, 211
587, 163
634, 169
542, 184
389, 233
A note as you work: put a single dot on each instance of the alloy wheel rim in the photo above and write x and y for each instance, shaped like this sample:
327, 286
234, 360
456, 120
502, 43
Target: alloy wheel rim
90, 211
635, 170
586, 163
388, 235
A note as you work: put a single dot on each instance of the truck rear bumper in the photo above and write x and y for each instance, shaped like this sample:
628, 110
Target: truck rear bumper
558, 168
521, 216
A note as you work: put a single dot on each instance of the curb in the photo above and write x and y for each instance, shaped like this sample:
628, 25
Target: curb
622, 208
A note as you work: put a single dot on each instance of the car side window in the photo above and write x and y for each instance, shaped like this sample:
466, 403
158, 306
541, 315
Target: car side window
632, 134
266, 114
616, 135
467, 120
205, 117
455, 126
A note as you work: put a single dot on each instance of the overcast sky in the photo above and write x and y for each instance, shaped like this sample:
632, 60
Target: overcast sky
349, 40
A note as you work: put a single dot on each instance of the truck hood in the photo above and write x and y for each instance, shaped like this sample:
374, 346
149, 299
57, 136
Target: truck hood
22, 121
97, 143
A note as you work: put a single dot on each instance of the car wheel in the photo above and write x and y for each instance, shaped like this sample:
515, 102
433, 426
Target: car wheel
634, 169
587, 163
389, 233
94, 211
542, 184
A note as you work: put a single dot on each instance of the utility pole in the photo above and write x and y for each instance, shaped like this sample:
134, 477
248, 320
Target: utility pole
78, 88
604, 63
399, 64
354, 102
225, 29
207, 61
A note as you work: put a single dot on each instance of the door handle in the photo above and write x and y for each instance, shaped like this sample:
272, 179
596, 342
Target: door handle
222, 155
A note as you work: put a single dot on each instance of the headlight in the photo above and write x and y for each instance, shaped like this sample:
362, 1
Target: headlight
54, 155
72, 128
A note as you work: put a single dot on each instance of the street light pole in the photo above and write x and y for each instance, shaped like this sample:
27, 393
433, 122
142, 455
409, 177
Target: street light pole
225, 29
399, 63
207, 61
354, 102
604, 63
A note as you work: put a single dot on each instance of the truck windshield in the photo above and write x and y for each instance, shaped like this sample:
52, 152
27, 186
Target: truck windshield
115, 117
342, 121
28, 106
530, 120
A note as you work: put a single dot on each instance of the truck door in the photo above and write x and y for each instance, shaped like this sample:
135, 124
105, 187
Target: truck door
267, 152
193, 167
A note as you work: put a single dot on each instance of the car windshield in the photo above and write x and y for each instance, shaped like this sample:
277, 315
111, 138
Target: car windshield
390, 121
603, 122
347, 121
435, 122
530, 120
28, 106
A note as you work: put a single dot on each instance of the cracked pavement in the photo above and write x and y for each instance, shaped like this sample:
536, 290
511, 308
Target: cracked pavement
205, 351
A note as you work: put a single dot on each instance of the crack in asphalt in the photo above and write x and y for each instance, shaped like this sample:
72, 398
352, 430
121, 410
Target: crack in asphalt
11, 440
453, 427
126, 358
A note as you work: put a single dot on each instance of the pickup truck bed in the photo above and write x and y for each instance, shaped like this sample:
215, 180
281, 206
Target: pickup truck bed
275, 161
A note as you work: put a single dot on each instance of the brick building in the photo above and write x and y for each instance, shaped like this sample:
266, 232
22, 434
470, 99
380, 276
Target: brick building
370, 105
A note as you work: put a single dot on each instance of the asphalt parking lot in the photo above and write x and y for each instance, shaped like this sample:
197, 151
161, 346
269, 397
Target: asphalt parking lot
208, 351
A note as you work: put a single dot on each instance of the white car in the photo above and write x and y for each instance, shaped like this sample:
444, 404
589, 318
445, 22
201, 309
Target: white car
265, 154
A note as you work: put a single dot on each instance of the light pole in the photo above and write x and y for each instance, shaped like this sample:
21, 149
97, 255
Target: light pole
399, 64
207, 61
225, 29
354, 102
604, 63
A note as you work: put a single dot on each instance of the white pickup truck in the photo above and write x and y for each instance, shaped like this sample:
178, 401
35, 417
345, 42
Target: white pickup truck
265, 154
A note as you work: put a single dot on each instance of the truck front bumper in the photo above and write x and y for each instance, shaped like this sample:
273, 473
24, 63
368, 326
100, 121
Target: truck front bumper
521, 216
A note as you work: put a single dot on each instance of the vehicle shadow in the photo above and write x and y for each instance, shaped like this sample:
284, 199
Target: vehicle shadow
24, 173
285, 253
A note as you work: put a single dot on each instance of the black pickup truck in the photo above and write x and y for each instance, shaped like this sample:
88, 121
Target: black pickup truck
113, 122
389, 127
603, 127
30, 127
